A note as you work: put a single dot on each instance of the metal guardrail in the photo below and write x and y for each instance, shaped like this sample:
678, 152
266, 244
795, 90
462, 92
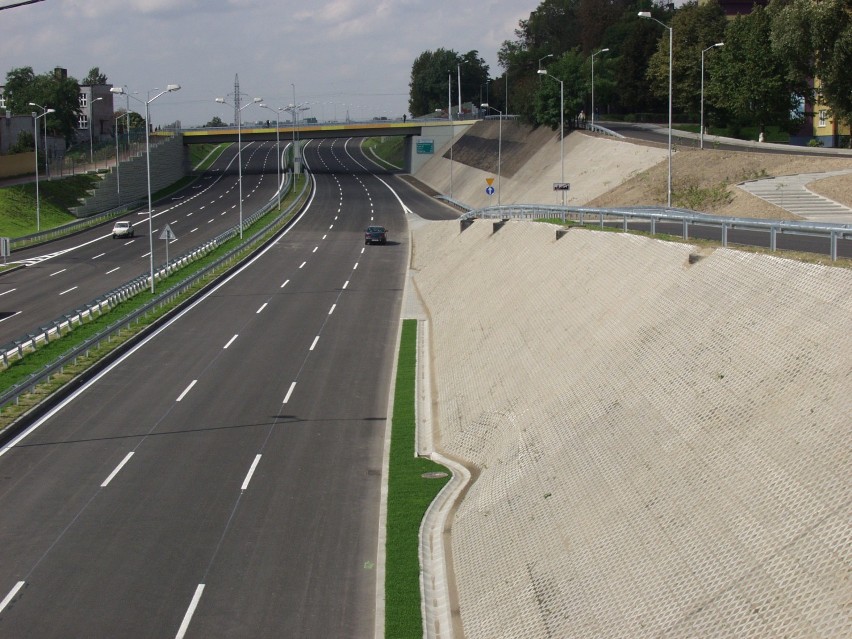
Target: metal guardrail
653, 215
109, 300
78, 225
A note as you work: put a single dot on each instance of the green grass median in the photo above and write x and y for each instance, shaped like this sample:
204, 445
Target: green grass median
409, 495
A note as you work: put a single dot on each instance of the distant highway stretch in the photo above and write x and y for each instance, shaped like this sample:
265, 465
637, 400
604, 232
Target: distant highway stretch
64, 275
223, 478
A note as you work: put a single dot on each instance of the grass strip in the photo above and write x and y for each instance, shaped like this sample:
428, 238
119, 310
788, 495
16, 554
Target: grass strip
409, 495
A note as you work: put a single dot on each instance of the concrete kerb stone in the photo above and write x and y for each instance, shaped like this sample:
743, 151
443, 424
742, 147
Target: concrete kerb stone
436, 601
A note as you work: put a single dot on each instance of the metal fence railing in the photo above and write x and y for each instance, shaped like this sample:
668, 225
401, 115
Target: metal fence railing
102, 304
685, 219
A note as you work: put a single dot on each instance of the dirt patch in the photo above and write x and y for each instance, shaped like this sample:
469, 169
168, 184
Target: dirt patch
706, 181
480, 145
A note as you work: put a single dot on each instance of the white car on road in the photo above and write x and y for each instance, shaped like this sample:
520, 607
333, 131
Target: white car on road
122, 229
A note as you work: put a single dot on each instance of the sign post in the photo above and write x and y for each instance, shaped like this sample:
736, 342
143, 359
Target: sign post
5, 247
489, 189
169, 236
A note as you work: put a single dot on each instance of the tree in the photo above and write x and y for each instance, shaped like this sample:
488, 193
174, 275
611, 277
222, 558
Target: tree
215, 122
569, 69
47, 90
695, 27
95, 77
434, 74
814, 39
749, 80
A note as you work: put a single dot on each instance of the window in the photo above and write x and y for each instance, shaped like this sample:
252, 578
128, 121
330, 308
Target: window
84, 100
83, 122
823, 117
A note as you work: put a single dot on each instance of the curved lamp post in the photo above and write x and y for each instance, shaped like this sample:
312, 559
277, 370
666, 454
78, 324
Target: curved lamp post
593, 84
91, 115
169, 89
46, 162
712, 46
486, 106
647, 14
561, 127
122, 91
239, 110
277, 144
36, 117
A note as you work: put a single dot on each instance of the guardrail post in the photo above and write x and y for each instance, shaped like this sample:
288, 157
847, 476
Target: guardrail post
653, 225
685, 229
834, 246
773, 232
624, 223
725, 235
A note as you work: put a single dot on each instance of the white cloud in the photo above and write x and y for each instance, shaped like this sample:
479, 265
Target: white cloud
355, 53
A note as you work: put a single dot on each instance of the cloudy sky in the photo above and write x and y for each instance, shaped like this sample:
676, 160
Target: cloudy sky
341, 55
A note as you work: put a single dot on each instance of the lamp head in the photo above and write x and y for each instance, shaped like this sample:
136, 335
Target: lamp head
719, 44
118, 90
50, 111
603, 50
257, 100
220, 100
485, 105
644, 14
172, 87
33, 104
262, 105
542, 71
96, 99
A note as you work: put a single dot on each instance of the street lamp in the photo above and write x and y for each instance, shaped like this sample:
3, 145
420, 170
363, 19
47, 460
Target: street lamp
499, 147
712, 46
238, 110
647, 14
593, 84
46, 162
91, 115
561, 128
277, 144
36, 116
169, 89
121, 91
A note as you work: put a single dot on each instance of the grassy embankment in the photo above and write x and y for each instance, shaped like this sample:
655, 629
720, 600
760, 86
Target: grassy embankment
56, 197
387, 151
409, 495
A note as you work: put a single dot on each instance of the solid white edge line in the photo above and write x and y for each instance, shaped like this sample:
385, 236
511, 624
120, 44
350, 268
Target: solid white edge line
263, 306
184, 625
289, 392
11, 595
251, 471
316, 339
186, 390
331, 310
231, 341
117, 469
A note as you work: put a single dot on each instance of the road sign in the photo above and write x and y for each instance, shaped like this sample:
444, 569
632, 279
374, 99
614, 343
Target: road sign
561, 186
425, 146
490, 181
490, 190
168, 234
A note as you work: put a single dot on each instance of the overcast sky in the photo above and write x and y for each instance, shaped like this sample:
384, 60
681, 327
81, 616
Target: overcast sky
353, 55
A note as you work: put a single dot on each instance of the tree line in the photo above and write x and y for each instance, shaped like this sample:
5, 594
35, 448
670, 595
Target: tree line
58, 92
763, 74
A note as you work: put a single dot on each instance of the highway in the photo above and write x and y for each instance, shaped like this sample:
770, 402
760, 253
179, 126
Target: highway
223, 477
64, 275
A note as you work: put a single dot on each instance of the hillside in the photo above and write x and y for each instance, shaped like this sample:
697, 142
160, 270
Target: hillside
604, 171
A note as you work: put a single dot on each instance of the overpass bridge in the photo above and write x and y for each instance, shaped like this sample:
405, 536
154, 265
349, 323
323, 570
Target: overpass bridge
422, 137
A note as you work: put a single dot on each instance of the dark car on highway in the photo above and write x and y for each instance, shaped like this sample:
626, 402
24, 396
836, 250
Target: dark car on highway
375, 235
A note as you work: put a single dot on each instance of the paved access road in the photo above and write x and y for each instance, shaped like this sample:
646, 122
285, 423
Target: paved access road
223, 479
64, 275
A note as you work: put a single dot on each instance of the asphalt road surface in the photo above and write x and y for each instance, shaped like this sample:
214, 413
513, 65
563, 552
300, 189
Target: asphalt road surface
64, 275
223, 478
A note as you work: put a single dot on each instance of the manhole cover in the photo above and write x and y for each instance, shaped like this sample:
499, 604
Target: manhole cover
434, 475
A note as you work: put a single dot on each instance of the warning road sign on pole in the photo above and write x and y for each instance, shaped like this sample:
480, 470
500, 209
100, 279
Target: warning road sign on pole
168, 235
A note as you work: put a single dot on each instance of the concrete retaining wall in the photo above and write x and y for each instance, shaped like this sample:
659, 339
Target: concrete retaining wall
169, 164
663, 447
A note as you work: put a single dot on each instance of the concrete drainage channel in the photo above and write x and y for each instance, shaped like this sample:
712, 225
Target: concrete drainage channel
102, 305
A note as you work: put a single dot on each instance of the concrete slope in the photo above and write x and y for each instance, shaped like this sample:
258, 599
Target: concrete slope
790, 192
663, 447
592, 166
